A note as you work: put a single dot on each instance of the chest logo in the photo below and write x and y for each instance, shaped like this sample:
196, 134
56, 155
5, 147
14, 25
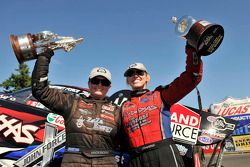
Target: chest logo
93, 124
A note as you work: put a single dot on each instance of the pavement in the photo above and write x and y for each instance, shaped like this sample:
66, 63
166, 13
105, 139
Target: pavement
232, 159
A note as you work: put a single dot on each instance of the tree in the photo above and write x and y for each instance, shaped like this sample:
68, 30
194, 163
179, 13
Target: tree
19, 80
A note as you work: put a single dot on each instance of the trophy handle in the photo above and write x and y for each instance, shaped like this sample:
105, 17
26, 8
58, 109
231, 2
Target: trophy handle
23, 47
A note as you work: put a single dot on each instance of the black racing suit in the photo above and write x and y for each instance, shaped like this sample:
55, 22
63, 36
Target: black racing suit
91, 125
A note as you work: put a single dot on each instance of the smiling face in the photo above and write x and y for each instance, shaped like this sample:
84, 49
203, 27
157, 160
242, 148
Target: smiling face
137, 79
98, 87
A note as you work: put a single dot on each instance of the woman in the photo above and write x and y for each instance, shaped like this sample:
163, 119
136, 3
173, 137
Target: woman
91, 123
146, 117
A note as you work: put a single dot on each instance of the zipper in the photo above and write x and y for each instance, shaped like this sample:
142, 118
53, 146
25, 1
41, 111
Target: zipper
172, 150
139, 120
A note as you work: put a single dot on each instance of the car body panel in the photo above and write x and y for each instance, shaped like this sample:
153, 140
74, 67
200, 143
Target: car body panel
30, 134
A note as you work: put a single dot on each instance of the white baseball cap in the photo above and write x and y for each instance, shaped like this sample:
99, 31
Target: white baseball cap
137, 66
100, 71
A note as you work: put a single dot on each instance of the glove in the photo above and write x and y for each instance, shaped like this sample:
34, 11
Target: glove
189, 46
47, 53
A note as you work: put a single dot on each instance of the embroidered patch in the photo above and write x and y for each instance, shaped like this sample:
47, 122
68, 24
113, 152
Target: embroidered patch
83, 104
85, 111
107, 117
144, 100
108, 107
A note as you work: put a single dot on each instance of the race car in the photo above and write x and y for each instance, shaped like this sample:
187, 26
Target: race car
30, 134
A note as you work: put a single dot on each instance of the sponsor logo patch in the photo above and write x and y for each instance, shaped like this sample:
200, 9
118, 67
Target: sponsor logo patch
83, 104
93, 124
107, 117
205, 139
55, 119
108, 107
85, 111
220, 123
144, 100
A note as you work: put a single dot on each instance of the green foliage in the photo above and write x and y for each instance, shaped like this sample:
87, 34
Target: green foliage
19, 80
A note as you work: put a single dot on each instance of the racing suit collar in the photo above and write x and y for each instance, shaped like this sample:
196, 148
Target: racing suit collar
135, 93
105, 99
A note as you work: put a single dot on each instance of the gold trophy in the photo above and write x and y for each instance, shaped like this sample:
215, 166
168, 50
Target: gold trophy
204, 36
27, 47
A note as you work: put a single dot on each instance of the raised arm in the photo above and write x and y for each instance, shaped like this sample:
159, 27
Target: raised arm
55, 100
187, 81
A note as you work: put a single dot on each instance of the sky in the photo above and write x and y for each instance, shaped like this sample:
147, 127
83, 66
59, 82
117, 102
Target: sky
119, 33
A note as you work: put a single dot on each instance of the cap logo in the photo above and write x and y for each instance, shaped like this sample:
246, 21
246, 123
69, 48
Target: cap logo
101, 70
133, 65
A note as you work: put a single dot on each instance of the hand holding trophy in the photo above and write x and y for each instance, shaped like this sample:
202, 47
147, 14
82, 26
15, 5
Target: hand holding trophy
27, 47
202, 35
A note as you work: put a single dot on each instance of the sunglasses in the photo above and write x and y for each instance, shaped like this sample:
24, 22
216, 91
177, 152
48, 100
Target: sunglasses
97, 81
134, 72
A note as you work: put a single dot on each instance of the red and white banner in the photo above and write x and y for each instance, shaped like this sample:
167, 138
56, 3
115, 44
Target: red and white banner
231, 106
236, 109
185, 124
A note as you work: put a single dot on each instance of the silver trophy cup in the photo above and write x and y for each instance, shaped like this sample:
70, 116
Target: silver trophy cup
27, 47
204, 36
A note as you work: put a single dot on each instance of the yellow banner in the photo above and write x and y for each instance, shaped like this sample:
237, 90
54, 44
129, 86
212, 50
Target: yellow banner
242, 143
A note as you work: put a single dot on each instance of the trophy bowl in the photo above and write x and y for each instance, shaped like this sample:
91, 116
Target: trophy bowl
23, 47
204, 36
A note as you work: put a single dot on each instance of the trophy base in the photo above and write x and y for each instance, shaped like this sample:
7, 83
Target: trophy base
23, 47
205, 37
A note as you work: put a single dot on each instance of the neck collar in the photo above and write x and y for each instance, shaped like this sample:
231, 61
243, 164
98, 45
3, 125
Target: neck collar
139, 92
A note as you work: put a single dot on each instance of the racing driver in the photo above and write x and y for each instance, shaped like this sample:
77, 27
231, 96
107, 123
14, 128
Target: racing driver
146, 116
91, 123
